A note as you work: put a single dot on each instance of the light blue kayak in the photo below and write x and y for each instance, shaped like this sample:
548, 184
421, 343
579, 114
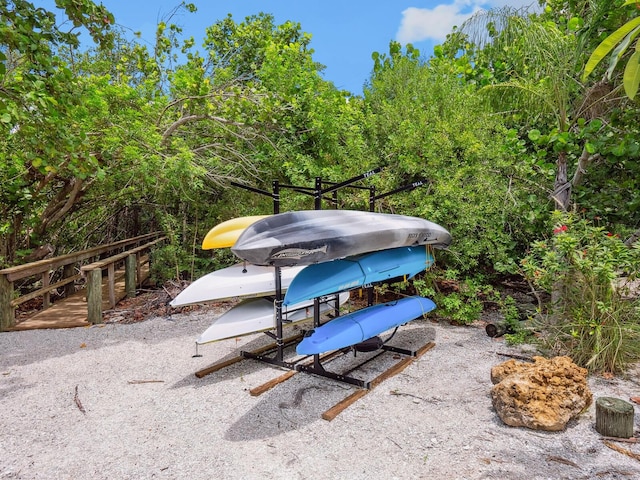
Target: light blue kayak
363, 324
352, 272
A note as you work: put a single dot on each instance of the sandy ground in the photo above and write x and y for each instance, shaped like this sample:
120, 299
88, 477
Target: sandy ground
146, 415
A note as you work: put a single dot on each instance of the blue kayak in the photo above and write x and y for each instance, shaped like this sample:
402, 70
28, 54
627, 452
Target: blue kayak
352, 272
363, 324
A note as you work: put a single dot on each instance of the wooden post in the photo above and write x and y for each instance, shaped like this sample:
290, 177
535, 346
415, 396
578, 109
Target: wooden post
7, 312
111, 284
46, 297
94, 296
68, 271
614, 417
254, 392
225, 363
139, 268
358, 394
130, 265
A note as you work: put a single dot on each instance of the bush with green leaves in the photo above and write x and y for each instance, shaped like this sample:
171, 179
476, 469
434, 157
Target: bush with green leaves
459, 300
517, 331
593, 316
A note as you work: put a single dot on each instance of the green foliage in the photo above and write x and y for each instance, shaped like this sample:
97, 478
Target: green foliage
99, 140
510, 313
534, 64
30, 74
46, 158
238, 50
461, 301
620, 40
517, 332
417, 122
169, 262
174, 262
607, 193
588, 272
519, 337
102, 143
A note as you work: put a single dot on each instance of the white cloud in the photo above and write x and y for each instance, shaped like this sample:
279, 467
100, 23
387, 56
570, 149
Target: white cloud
420, 24
511, 3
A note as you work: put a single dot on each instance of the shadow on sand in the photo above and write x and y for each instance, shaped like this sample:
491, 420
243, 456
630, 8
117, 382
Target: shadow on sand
305, 397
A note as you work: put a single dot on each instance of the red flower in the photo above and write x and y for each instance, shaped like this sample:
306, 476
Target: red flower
560, 229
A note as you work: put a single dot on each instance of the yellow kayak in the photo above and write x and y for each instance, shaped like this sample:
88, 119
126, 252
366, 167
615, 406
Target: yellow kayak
226, 233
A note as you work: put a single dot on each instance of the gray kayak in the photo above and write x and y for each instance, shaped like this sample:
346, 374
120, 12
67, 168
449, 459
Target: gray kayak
313, 236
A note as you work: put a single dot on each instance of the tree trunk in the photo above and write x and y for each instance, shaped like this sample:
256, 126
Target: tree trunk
562, 198
635, 236
9, 242
4, 251
562, 187
584, 161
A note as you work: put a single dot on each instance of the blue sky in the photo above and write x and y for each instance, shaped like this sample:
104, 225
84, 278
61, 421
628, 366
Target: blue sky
344, 33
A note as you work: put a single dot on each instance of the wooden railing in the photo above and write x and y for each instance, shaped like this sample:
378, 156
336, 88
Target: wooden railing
131, 252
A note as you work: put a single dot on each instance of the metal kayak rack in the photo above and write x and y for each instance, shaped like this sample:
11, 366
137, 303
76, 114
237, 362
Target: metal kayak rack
274, 353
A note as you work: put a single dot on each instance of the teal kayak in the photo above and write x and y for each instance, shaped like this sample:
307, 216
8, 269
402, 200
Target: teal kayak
353, 272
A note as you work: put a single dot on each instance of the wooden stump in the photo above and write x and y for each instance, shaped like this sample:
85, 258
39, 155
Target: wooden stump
495, 330
614, 417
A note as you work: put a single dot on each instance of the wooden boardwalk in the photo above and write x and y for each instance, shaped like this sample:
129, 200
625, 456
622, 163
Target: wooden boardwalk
72, 311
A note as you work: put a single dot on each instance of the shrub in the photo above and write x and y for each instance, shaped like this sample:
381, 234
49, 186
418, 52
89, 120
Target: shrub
459, 300
587, 271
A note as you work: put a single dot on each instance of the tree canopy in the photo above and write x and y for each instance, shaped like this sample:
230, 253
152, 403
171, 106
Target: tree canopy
506, 121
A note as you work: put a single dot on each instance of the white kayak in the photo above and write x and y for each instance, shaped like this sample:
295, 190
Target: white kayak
258, 315
236, 281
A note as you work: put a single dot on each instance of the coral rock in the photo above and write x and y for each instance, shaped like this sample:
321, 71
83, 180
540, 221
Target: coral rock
544, 395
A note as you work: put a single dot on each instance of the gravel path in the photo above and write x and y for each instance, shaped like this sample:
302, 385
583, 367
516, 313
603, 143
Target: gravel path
122, 402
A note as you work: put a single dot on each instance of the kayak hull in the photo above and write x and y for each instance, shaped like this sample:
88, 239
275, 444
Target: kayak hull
363, 324
258, 314
225, 234
353, 272
315, 236
235, 281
